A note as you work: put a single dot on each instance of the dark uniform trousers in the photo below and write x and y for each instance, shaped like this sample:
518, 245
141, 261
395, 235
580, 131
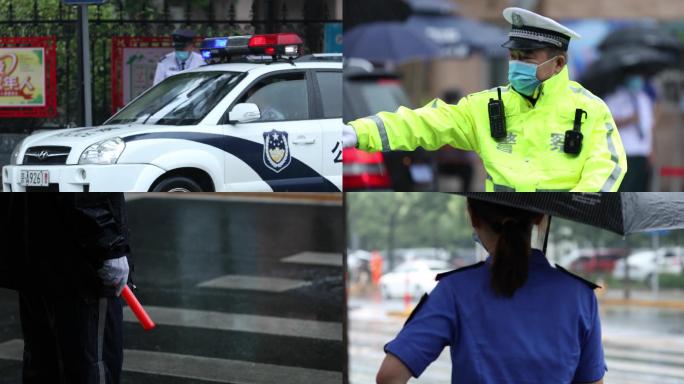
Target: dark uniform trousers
71, 340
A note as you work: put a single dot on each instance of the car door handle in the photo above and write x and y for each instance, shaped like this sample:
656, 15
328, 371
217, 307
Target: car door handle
302, 140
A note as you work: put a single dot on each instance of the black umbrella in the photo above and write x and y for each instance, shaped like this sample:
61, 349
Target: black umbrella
644, 36
387, 42
610, 70
433, 7
623, 213
458, 36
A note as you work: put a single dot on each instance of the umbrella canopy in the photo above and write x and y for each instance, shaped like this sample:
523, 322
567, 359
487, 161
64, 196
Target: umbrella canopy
610, 70
645, 36
433, 7
623, 213
458, 36
388, 42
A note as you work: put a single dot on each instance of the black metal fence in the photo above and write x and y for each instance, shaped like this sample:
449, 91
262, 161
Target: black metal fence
146, 18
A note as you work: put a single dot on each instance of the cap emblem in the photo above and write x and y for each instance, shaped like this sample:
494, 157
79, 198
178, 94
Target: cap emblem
517, 20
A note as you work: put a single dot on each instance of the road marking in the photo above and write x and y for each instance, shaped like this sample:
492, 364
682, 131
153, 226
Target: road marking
653, 357
242, 323
12, 350
315, 258
203, 368
253, 283
619, 365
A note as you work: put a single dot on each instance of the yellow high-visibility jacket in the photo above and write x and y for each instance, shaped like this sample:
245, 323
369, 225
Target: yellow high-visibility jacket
531, 157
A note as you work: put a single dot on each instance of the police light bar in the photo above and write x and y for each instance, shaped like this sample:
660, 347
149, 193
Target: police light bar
277, 45
219, 49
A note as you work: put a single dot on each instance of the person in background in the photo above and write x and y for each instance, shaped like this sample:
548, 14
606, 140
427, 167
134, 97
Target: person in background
184, 57
634, 113
67, 256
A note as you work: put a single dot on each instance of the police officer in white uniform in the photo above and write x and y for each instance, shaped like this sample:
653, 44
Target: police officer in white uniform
181, 59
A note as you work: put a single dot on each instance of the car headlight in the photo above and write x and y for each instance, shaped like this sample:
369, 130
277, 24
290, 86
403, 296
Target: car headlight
104, 152
14, 158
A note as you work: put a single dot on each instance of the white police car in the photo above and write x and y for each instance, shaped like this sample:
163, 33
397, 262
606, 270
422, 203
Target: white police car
244, 125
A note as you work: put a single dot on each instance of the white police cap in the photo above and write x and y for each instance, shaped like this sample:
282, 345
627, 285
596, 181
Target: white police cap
533, 31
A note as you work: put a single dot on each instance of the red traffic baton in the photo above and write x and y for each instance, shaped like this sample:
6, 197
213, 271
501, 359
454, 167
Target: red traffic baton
138, 310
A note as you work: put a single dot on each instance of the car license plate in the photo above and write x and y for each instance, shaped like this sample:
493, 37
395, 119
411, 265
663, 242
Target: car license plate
34, 178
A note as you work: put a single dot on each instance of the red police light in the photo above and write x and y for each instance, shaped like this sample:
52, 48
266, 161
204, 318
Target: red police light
287, 44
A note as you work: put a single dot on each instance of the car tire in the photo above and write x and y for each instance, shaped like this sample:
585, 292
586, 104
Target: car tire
177, 184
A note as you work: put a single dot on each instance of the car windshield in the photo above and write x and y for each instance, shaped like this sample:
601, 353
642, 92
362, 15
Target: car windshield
184, 99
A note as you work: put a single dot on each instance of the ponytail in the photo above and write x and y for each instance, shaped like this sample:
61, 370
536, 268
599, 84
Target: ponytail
511, 256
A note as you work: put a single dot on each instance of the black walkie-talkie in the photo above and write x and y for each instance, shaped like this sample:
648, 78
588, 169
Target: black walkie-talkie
497, 117
573, 138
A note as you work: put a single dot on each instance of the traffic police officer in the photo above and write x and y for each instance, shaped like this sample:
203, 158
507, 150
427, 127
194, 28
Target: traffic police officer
508, 320
67, 256
542, 132
181, 59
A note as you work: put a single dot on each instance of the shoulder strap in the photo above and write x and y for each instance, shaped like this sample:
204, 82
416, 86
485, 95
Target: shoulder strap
467, 267
587, 282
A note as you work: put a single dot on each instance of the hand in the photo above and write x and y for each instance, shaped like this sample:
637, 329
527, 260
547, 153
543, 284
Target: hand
349, 139
114, 273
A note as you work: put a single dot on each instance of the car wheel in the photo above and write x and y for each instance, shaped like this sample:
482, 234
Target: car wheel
177, 184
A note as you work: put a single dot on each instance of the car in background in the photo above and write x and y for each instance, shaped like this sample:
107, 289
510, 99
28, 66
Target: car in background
597, 261
644, 263
364, 170
414, 277
367, 91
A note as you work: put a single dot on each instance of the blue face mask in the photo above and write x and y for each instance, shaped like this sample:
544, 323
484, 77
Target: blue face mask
635, 83
523, 76
182, 56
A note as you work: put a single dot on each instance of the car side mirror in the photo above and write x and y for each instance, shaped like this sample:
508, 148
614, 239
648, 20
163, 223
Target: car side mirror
244, 113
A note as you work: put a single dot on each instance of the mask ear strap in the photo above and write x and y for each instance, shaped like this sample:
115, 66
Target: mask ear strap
553, 58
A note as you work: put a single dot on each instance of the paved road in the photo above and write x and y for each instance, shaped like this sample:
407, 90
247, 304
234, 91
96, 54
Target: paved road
642, 345
242, 292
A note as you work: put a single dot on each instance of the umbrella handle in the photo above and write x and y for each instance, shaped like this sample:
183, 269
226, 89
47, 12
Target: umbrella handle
138, 310
546, 236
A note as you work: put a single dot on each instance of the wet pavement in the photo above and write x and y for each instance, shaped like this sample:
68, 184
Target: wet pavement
642, 345
242, 292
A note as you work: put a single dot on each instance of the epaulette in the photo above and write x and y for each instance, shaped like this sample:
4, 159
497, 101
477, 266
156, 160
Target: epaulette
467, 267
165, 56
585, 281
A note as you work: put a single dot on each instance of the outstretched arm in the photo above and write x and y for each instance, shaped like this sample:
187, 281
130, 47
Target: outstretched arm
429, 127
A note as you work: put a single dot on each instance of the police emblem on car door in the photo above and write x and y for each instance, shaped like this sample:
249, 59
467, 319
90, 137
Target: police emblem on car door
276, 150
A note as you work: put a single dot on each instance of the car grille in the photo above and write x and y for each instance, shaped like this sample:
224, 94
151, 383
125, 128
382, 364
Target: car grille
47, 155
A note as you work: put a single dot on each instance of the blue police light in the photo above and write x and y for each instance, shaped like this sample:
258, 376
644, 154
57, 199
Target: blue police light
223, 49
216, 43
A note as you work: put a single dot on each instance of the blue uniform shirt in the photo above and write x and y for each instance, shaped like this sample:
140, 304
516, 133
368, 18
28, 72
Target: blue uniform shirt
548, 332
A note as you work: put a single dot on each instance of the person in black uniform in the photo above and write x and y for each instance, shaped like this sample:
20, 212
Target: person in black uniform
67, 256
